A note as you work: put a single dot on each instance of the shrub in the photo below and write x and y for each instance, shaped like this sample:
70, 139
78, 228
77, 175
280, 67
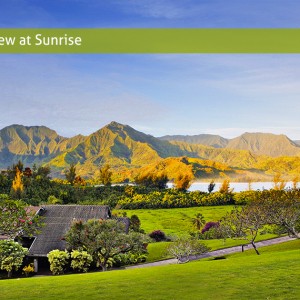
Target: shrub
58, 261
11, 256
183, 247
135, 224
212, 233
210, 225
81, 260
129, 259
245, 197
28, 270
158, 235
53, 200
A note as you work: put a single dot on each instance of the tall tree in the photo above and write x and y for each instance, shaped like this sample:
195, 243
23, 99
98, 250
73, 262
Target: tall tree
211, 186
17, 185
70, 174
105, 175
281, 208
153, 180
278, 182
243, 223
225, 187
182, 182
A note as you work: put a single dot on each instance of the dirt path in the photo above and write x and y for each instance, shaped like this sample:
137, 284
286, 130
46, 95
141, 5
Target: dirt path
216, 253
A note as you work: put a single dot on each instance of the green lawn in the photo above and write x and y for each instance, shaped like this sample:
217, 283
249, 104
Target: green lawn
157, 251
272, 275
176, 221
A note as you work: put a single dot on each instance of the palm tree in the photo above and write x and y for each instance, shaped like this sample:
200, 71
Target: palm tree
198, 221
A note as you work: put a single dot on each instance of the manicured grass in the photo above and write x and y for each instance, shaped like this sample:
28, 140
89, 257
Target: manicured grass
176, 221
272, 275
287, 246
158, 251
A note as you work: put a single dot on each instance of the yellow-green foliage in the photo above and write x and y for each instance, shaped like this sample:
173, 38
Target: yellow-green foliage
28, 270
244, 197
81, 260
284, 165
17, 185
11, 256
58, 261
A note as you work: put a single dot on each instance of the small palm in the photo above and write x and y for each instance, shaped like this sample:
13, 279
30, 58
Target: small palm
198, 221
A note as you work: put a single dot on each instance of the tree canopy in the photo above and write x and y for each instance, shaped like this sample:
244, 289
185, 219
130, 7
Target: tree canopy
103, 239
16, 219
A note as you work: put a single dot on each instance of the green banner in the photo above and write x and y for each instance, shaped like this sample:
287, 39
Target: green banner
149, 40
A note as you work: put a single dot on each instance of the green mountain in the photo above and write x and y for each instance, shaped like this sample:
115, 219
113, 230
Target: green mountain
118, 145
257, 143
127, 150
235, 158
212, 140
265, 144
34, 144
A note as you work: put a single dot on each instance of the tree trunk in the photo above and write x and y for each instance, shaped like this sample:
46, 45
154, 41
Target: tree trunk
293, 233
252, 243
103, 266
9, 274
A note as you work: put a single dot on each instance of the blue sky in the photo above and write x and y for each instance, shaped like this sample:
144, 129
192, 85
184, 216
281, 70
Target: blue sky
157, 94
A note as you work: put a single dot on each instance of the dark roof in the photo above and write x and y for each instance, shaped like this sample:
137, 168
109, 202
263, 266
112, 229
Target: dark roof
57, 221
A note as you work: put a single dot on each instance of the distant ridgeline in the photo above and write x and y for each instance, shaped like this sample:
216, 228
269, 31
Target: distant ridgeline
128, 152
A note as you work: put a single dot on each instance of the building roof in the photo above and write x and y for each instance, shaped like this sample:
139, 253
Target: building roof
57, 221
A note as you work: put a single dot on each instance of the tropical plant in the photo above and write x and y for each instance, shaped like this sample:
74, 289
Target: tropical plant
81, 260
198, 221
58, 261
70, 174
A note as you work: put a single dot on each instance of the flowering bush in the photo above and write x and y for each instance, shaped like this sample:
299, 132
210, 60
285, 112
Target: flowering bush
11, 256
210, 225
158, 235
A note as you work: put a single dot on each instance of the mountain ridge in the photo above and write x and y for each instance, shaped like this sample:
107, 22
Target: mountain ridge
127, 149
257, 142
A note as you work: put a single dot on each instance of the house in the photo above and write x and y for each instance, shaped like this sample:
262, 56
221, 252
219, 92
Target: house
57, 221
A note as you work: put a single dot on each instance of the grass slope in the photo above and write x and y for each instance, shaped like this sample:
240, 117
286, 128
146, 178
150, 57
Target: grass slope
272, 275
158, 251
176, 221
